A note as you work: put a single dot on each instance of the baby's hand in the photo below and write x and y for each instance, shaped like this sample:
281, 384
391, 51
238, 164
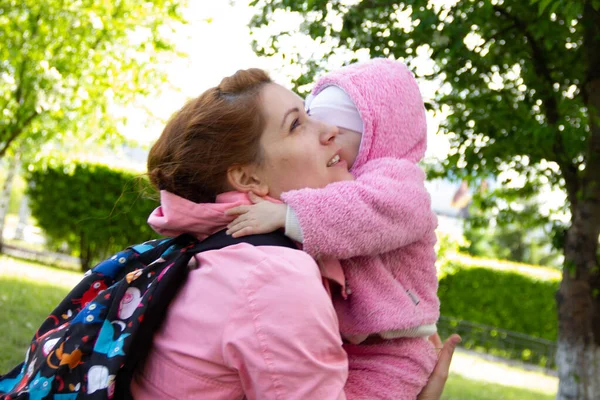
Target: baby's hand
261, 217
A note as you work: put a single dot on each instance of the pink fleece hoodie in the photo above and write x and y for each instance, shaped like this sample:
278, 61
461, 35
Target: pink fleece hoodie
249, 323
381, 224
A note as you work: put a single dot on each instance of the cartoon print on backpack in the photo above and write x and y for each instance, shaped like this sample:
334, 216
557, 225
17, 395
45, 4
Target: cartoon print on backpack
111, 267
18, 382
106, 342
98, 379
133, 275
28, 368
44, 348
164, 271
158, 260
142, 248
89, 315
60, 387
90, 294
66, 396
65, 316
40, 387
72, 359
129, 303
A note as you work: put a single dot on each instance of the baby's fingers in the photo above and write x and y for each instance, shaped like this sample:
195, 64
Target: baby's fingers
255, 198
243, 232
240, 228
237, 210
237, 224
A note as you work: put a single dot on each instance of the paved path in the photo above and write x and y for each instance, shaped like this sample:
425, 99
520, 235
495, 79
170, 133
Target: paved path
473, 366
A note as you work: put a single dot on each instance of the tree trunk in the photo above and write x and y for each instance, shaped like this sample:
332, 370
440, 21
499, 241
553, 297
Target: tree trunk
578, 299
24, 213
85, 253
13, 166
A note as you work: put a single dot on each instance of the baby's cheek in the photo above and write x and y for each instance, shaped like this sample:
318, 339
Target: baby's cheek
349, 141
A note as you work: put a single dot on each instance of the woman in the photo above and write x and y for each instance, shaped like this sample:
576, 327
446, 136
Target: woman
252, 322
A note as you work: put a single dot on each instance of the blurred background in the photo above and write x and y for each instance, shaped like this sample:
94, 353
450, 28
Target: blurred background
512, 96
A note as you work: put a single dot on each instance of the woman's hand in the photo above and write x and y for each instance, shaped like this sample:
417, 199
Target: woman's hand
435, 386
261, 217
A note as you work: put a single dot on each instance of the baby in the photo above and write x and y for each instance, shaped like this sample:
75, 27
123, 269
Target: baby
380, 226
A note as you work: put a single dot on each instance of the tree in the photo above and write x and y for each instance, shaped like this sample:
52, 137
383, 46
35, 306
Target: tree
520, 82
505, 234
65, 65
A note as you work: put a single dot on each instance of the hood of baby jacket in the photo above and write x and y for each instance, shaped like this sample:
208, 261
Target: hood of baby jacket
388, 99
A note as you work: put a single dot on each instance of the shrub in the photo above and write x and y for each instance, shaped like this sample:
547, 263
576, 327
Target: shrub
503, 299
94, 209
508, 300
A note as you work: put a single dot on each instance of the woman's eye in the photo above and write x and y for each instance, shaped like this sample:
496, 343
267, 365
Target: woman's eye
295, 124
308, 112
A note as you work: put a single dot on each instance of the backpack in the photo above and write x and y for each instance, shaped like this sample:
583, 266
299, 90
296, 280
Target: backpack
90, 345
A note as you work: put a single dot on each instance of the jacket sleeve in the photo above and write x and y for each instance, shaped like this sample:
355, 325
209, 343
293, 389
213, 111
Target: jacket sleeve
284, 341
386, 207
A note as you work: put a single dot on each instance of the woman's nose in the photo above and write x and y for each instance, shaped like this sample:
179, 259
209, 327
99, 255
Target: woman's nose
328, 133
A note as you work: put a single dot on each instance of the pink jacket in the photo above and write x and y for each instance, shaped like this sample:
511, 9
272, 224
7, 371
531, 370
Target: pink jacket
381, 224
251, 322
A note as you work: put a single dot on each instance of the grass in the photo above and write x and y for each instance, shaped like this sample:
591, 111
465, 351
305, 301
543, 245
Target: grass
29, 292
461, 388
536, 271
499, 380
24, 305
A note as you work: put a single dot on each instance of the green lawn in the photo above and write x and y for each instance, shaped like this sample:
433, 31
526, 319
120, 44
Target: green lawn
460, 388
29, 291
24, 305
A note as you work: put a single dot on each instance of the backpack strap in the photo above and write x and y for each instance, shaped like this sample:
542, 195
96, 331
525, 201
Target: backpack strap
183, 240
221, 239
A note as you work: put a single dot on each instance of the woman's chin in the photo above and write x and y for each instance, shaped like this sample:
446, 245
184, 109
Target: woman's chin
343, 176
341, 171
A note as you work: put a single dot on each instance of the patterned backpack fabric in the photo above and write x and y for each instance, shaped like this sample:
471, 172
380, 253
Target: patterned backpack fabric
90, 345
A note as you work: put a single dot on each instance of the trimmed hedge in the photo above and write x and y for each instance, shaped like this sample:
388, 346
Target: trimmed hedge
96, 210
503, 299
507, 300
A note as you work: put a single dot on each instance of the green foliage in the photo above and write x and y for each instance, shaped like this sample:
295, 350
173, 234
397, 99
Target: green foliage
66, 64
535, 113
503, 299
515, 232
447, 246
508, 300
96, 210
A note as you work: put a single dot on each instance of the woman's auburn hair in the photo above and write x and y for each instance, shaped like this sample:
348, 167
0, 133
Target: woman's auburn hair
211, 133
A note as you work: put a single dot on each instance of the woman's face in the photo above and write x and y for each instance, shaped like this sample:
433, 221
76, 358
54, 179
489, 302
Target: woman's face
298, 151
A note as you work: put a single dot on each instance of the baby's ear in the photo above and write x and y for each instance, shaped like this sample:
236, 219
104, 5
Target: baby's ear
244, 178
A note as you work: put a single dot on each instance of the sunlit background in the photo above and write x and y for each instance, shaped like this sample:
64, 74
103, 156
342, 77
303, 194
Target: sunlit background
509, 158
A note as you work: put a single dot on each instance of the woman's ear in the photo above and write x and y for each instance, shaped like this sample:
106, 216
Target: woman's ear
244, 178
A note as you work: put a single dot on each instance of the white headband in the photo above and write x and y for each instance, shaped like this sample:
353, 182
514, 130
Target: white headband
334, 106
